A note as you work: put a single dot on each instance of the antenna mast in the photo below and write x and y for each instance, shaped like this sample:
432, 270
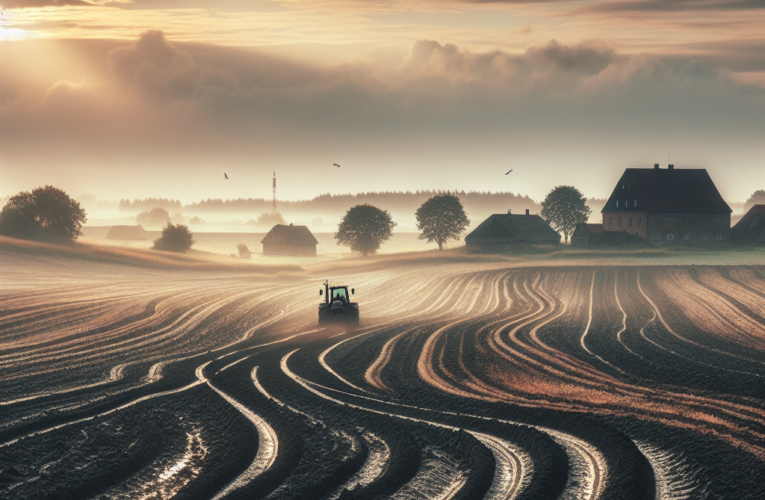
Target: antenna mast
273, 204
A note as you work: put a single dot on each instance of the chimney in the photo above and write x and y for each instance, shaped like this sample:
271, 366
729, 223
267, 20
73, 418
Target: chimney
671, 166
509, 211
656, 166
527, 211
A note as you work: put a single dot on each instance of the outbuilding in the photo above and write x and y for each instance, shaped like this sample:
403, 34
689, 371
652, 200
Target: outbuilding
295, 241
136, 232
751, 227
504, 232
584, 232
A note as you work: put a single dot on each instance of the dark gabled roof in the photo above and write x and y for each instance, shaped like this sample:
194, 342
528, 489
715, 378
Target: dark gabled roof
507, 228
750, 227
290, 235
587, 229
688, 190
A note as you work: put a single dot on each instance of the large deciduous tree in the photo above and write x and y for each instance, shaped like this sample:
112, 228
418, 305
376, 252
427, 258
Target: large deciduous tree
441, 218
45, 213
175, 238
156, 217
757, 198
364, 228
564, 208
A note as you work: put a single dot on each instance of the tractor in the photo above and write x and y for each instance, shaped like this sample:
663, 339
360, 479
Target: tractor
337, 306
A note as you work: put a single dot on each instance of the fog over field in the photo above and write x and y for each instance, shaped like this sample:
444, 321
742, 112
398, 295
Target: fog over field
472, 379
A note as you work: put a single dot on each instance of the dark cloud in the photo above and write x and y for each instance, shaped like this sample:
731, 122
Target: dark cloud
589, 59
673, 6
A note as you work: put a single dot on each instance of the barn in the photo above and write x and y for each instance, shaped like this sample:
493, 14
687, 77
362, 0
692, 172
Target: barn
668, 206
584, 233
126, 233
504, 232
751, 227
295, 241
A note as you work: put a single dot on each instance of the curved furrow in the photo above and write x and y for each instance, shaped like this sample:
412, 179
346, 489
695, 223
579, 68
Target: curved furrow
268, 443
712, 312
448, 484
666, 325
463, 381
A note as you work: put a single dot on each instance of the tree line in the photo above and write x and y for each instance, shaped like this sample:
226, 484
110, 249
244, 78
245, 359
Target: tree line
48, 213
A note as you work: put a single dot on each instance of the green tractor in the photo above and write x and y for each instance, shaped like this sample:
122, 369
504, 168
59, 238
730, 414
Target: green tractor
337, 306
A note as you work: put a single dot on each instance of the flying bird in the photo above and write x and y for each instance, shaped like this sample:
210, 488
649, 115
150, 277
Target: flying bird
509, 171
335, 164
225, 176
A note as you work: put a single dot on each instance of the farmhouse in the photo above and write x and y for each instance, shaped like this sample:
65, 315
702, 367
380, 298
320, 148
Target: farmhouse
751, 227
502, 232
296, 241
126, 233
668, 205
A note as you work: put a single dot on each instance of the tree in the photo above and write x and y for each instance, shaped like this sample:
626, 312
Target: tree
441, 218
244, 252
271, 219
175, 238
45, 213
757, 198
154, 217
564, 208
364, 228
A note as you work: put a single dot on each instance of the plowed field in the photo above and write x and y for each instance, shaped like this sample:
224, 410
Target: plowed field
463, 381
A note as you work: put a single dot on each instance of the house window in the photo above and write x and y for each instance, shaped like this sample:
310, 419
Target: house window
718, 222
719, 236
670, 236
626, 203
686, 236
610, 221
629, 223
635, 204
617, 203
640, 221
619, 222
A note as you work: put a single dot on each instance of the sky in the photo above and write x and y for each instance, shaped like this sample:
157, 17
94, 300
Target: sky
144, 98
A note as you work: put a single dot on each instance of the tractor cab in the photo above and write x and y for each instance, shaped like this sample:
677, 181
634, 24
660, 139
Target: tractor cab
337, 304
339, 293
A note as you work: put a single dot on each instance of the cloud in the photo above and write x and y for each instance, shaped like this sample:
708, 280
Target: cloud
637, 6
156, 102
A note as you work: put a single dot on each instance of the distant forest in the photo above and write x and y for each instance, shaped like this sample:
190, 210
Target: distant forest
149, 203
393, 201
479, 203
